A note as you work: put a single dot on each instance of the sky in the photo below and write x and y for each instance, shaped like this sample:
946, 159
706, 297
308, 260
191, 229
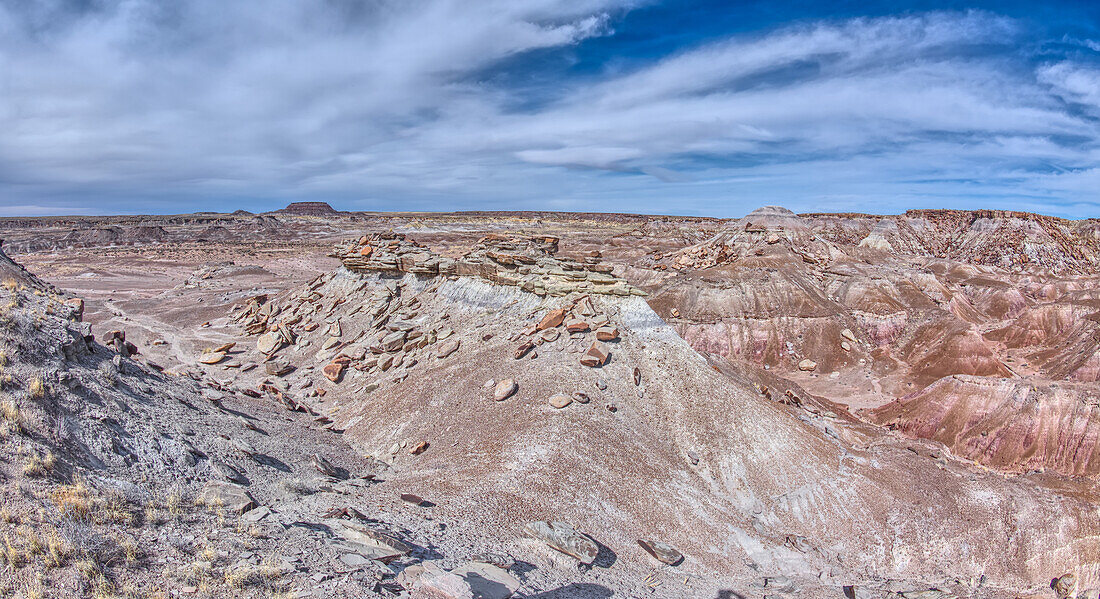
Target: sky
664, 107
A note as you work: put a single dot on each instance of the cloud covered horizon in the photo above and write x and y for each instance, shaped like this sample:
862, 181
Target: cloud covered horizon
142, 106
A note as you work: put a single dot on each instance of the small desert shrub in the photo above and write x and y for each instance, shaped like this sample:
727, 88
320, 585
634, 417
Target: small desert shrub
37, 466
108, 374
10, 284
129, 550
13, 416
37, 387
74, 501
3, 358
57, 551
10, 554
31, 542
7, 517
236, 578
173, 502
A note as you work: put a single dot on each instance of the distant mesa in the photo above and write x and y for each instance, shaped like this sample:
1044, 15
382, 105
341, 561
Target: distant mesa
772, 218
243, 212
308, 209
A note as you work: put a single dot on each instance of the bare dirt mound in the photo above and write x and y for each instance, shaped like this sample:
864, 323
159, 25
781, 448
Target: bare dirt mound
1011, 425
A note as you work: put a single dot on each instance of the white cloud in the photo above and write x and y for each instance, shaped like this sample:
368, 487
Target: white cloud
386, 102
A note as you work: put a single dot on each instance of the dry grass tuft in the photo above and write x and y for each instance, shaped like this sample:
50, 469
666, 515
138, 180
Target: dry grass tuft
37, 387
37, 466
13, 416
174, 502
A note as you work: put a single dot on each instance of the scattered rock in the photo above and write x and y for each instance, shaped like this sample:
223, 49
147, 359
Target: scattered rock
601, 384
232, 497
552, 319
844, 345
278, 367
560, 400
370, 543
607, 333
504, 389
448, 348
419, 448
1065, 586
847, 334
393, 341
488, 581
564, 538
550, 335
807, 365
324, 466
269, 343
580, 397
523, 349
413, 499
637, 377
211, 358
663, 552
227, 472
334, 370
576, 325
596, 355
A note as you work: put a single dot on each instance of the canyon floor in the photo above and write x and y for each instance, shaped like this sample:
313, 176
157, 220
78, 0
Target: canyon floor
311, 403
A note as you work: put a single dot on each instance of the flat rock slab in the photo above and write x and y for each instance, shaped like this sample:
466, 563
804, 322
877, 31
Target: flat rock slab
488, 581
564, 538
471, 580
233, 497
370, 543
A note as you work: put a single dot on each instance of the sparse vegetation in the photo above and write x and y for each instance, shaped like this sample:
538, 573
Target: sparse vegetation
174, 502
108, 374
13, 416
39, 466
37, 387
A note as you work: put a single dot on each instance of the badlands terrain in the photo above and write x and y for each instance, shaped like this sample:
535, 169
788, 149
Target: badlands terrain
312, 403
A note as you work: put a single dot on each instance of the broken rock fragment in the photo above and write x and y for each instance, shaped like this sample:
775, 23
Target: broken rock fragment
370, 543
419, 448
662, 552
523, 349
278, 367
807, 365
607, 333
448, 348
596, 355
324, 466
552, 319
576, 325
334, 370
564, 538
269, 342
232, 497
211, 358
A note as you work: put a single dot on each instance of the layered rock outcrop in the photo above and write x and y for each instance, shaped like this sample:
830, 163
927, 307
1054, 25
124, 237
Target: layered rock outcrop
525, 262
